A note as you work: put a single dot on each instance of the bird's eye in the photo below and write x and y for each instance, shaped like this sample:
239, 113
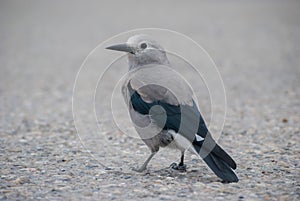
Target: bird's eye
143, 45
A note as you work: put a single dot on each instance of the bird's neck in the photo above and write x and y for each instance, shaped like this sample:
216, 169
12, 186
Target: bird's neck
134, 63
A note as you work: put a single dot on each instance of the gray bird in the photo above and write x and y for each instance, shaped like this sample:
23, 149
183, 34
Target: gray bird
163, 110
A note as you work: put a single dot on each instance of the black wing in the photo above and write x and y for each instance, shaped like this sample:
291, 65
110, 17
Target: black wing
184, 119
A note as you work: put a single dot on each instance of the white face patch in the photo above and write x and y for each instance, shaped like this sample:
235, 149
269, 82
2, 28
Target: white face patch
199, 138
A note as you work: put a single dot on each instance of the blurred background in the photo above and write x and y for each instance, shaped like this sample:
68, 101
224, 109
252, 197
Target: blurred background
255, 45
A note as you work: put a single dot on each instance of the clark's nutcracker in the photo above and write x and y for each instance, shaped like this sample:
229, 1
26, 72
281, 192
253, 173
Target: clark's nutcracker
162, 108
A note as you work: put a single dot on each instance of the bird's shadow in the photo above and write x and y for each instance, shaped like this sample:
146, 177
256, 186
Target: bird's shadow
193, 175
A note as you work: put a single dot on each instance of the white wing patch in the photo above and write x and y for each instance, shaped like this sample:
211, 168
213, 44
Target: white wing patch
199, 138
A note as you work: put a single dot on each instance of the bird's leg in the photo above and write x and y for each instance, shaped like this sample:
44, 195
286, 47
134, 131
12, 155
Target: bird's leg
181, 159
144, 166
181, 166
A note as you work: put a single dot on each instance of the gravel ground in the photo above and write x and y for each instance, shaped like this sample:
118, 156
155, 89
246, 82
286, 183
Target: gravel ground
43, 43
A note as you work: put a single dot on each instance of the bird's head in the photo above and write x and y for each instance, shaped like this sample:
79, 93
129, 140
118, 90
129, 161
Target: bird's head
142, 50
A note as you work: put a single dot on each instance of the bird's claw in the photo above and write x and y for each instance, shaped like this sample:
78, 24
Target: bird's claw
181, 168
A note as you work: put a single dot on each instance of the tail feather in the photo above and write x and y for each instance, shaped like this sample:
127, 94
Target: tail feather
219, 162
218, 151
221, 168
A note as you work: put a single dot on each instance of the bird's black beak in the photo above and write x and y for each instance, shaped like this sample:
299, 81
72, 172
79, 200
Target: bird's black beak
121, 47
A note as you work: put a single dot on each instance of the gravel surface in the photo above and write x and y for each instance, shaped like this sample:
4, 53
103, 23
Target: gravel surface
42, 45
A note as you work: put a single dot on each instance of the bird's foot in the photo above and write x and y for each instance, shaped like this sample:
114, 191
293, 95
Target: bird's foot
179, 167
140, 169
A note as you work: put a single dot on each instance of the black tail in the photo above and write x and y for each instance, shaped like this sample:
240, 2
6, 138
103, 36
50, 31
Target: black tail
218, 161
